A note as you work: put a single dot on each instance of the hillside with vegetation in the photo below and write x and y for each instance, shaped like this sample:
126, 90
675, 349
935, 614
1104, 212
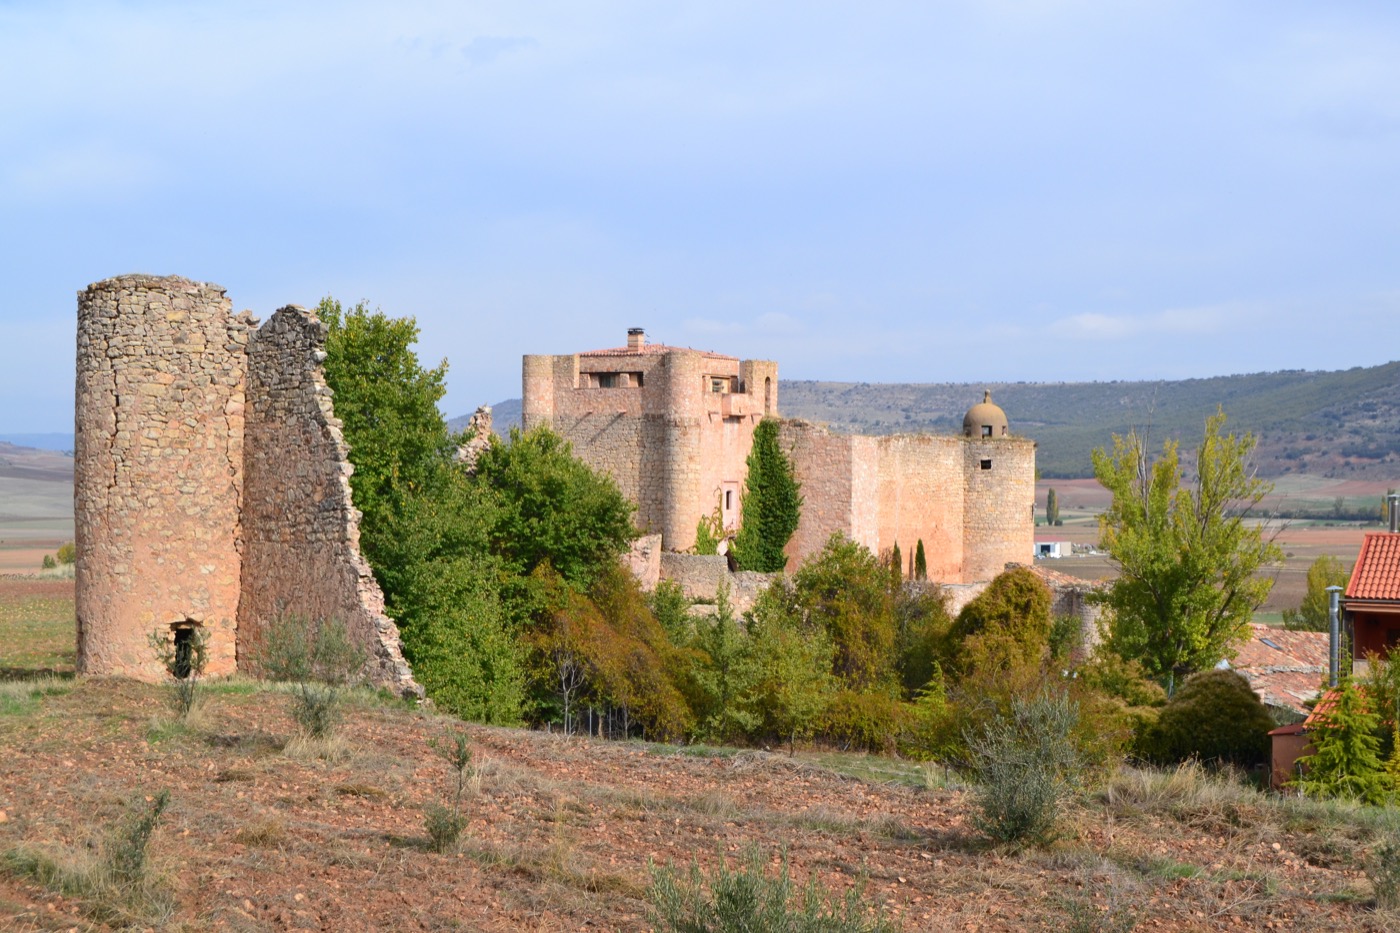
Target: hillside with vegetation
1332, 424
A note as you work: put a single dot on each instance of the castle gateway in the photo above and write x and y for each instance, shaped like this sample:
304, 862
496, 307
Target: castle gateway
673, 427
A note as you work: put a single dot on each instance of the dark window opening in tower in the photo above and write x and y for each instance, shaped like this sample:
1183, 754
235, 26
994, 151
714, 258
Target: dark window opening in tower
986, 464
183, 664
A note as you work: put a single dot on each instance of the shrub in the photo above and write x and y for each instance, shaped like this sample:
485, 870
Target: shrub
125, 852
1007, 625
868, 721
748, 899
48, 563
446, 823
320, 662
67, 553
1026, 763
1383, 868
183, 656
1215, 716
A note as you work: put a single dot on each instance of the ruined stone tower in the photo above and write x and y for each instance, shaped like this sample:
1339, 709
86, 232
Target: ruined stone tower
211, 482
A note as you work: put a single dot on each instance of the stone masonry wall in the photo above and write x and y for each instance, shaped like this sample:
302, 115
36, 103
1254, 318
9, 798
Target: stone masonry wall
158, 470
700, 577
998, 524
301, 532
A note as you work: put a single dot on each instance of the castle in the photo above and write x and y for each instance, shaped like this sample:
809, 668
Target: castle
211, 483
673, 426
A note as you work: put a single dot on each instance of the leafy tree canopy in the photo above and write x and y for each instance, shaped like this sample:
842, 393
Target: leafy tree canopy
1314, 614
554, 508
1006, 626
1187, 555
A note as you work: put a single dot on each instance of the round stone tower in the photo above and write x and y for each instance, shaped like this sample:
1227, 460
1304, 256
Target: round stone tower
999, 493
158, 471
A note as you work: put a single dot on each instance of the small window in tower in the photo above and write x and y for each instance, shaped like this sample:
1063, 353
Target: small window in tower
986, 430
986, 464
182, 663
718, 384
728, 499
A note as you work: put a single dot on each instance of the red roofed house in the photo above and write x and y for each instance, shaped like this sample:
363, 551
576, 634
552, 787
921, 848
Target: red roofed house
1372, 597
1371, 604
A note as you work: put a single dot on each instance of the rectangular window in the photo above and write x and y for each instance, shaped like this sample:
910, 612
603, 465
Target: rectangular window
718, 384
986, 430
986, 464
607, 380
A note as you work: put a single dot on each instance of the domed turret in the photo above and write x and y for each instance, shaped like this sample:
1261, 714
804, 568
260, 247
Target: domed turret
985, 419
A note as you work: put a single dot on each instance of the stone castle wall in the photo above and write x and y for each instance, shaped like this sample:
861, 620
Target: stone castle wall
701, 576
880, 491
998, 517
673, 446
301, 531
158, 470
211, 482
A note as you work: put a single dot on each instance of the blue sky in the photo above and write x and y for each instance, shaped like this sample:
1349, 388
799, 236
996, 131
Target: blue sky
931, 191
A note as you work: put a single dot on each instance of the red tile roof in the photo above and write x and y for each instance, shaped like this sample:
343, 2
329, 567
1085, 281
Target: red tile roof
1285, 668
652, 349
1377, 571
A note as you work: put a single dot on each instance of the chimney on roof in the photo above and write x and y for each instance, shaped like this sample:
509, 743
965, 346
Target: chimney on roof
1392, 509
636, 338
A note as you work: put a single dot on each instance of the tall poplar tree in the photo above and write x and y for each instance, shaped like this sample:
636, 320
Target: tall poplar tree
771, 506
1186, 554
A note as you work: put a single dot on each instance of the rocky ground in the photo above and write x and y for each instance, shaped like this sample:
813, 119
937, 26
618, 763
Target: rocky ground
263, 834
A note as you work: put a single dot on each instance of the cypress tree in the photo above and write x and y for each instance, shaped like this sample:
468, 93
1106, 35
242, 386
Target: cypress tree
771, 506
920, 562
1052, 507
897, 564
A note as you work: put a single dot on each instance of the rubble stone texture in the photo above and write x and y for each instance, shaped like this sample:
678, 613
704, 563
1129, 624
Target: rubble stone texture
211, 482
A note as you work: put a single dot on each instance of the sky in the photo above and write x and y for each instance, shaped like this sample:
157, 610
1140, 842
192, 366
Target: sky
1042, 190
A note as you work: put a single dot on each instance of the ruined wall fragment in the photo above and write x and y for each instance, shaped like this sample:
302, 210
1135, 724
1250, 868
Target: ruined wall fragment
301, 531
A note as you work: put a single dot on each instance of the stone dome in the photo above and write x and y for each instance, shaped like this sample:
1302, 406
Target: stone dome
985, 419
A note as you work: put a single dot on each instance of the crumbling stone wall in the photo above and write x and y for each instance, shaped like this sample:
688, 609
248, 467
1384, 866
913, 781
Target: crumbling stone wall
301, 532
211, 482
158, 470
700, 577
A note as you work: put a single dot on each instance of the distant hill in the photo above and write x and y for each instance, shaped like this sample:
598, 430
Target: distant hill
1342, 424
52, 441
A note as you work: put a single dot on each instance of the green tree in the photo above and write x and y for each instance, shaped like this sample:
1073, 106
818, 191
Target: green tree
1052, 507
553, 508
1186, 555
387, 403
1006, 626
1215, 716
791, 667
896, 564
849, 594
920, 562
1346, 760
771, 506
67, 553
1314, 614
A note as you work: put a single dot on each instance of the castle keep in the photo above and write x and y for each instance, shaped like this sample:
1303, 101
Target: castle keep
674, 426
211, 482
